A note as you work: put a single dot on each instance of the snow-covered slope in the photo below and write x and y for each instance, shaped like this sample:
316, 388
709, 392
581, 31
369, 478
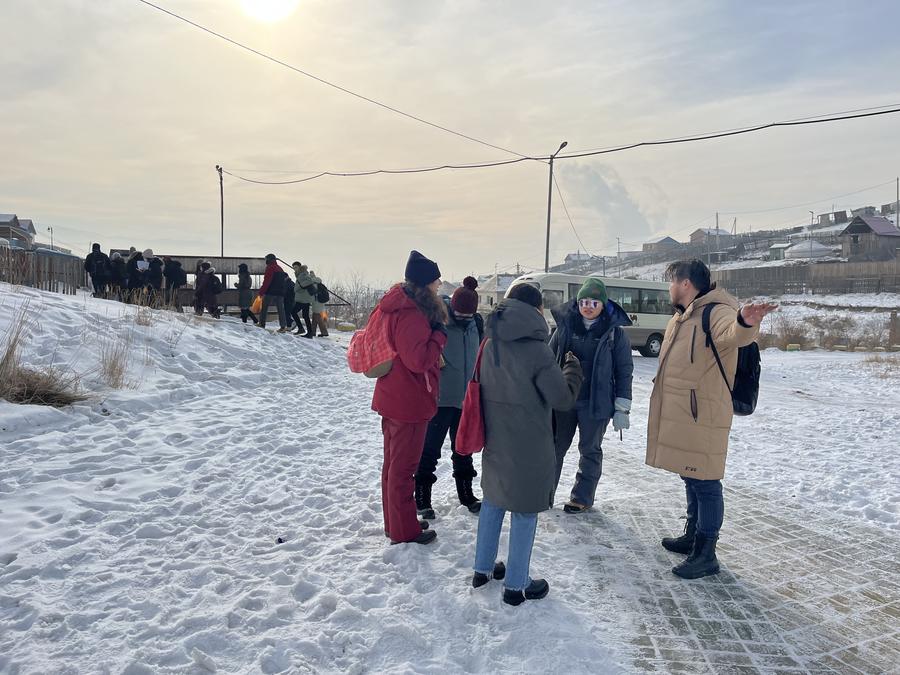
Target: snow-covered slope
139, 529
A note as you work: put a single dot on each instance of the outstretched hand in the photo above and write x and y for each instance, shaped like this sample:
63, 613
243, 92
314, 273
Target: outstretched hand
753, 314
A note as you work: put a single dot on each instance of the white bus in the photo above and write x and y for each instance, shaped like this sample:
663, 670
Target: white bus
647, 303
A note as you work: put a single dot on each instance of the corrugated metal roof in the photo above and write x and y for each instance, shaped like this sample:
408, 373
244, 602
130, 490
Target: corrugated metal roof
879, 225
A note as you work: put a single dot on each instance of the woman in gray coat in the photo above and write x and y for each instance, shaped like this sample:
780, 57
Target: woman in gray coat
521, 384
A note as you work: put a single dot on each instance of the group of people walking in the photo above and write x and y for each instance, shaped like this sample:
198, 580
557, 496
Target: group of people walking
305, 295
145, 279
536, 392
137, 278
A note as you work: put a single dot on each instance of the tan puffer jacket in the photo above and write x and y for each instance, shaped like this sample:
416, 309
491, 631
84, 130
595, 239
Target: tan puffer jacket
690, 407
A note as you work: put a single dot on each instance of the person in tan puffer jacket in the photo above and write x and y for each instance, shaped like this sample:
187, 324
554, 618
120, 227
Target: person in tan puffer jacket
690, 406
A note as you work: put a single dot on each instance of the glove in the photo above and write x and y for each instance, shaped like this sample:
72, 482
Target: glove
621, 418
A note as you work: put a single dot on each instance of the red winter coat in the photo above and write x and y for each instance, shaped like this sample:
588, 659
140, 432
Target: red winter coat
271, 270
409, 392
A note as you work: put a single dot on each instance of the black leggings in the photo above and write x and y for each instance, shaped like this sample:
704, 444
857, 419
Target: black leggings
303, 308
247, 314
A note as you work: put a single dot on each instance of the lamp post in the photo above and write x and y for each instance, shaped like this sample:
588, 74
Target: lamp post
549, 202
221, 210
50, 230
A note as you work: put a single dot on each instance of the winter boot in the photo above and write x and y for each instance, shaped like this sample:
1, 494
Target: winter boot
702, 562
426, 537
423, 499
536, 590
685, 543
423, 524
466, 497
479, 579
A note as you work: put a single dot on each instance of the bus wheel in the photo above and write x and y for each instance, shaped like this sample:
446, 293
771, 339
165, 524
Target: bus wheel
653, 346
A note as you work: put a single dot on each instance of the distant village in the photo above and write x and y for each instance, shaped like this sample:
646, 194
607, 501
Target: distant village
838, 252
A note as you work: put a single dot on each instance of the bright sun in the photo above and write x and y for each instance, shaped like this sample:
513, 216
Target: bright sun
269, 11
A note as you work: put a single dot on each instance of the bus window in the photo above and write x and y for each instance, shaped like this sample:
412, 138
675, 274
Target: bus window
552, 299
627, 298
655, 302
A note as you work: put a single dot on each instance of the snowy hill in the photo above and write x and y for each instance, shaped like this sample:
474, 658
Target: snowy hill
139, 529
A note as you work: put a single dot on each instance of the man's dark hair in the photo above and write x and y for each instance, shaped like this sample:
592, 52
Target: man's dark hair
694, 271
526, 293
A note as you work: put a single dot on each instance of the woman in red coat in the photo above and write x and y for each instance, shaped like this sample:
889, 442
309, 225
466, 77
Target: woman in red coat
406, 398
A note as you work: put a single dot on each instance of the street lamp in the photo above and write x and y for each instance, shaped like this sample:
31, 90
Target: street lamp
50, 230
549, 201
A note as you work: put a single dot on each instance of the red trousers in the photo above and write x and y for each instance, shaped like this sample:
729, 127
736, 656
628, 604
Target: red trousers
403, 442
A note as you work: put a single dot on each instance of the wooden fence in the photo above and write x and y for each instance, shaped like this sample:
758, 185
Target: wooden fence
45, 270
817, 278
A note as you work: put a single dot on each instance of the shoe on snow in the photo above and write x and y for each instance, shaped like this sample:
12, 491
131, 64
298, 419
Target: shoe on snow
479, 579
474, 507
426, 537
422, 524
536, 590
575, 507
427, 514
683, 544
702, 561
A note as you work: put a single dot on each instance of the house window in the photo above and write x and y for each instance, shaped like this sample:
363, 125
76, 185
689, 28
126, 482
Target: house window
854, 239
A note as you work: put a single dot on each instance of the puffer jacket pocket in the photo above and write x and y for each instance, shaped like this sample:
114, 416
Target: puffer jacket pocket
694, 411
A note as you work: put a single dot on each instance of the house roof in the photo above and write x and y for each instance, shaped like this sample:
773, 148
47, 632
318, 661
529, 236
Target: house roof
8, 218
780, 246
27, 224
877, 224
660, 240
712, 232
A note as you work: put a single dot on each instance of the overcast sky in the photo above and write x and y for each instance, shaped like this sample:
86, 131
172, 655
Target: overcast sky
114, 116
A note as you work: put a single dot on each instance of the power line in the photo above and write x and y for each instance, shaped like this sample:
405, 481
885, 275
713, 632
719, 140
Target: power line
566, 209
326, 82
593, 153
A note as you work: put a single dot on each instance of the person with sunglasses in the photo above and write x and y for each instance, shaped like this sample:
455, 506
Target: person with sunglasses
592, 327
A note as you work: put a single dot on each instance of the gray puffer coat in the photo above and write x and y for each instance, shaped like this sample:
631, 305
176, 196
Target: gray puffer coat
521, 384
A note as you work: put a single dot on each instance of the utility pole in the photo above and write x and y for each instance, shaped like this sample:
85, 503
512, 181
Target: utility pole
897, 206
518, 270
51, 238
619, 256
221, 210
549, 201
718, 247
811, 217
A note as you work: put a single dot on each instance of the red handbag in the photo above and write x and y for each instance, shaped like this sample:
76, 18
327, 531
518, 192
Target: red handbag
470, 435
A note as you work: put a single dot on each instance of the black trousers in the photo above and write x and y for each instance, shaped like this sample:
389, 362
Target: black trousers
303, 307
446, 419
247, 314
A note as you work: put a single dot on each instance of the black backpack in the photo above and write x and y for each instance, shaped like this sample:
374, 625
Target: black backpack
322, 294
215, 284
746, 376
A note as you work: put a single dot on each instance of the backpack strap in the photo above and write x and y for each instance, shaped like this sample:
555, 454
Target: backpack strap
476, 376
707, 312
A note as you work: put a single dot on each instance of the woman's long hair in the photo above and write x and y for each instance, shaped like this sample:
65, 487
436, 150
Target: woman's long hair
428, 303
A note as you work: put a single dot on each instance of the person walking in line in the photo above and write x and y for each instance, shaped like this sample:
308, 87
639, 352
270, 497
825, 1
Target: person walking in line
176, 278
691, 408
136, 273
96, 264
521, 385
289, 302
459, 357
272, 292
154, 278
208, 288
317, 308
303, 297
592, 327
117, 277
406, 397
244, 285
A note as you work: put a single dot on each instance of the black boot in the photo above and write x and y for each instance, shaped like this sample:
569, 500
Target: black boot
685, 543
479, 579
426, 537
536, 590
423, 499
466, 497
702, 562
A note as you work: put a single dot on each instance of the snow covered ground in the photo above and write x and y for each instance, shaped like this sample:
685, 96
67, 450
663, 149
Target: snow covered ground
139, 529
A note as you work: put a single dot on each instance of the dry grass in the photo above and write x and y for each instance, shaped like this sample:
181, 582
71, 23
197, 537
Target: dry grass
49, 385
143, 316
885, 366
114, 360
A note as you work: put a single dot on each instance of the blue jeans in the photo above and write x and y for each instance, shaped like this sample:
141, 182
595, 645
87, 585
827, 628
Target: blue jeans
705, 503
521, 540
590, 447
